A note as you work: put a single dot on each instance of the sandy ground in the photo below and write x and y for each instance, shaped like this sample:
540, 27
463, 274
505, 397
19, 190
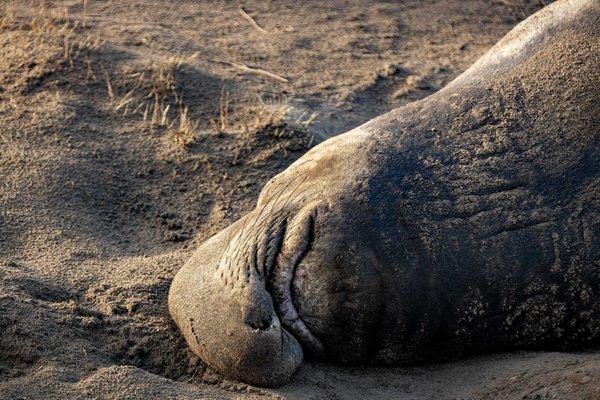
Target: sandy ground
129, 133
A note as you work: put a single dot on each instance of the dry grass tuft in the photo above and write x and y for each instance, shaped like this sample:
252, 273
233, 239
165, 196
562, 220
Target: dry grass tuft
187, 131
152, 94
276, 117
222, 125
265, 117
39, 43
45, 41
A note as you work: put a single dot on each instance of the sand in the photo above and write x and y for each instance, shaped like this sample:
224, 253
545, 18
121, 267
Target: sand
129, 134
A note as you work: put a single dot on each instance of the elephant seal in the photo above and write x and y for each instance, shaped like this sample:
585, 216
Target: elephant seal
464, 223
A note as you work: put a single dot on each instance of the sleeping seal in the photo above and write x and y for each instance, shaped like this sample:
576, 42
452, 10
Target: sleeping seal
464, 223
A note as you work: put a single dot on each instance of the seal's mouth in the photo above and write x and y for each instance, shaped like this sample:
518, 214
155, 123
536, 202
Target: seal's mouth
296, 242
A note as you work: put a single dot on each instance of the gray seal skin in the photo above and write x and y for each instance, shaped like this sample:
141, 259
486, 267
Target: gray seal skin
464, 223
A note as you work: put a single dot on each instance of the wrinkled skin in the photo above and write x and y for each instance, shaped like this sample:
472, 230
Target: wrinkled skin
463, 223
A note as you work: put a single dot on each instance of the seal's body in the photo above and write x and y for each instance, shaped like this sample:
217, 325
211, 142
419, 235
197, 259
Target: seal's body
463, 223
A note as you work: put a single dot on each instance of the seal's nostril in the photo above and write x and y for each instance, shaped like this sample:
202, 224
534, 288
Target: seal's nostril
262, 323
259, 315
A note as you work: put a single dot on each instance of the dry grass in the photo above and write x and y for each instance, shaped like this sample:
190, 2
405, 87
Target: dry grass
186, 133
49, 35
276, 116
222, 125
44, 42
39, 46
263, 117
151, 95
245, 119
51, 42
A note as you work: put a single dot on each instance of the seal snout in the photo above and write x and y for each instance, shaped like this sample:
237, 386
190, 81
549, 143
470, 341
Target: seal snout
228, 318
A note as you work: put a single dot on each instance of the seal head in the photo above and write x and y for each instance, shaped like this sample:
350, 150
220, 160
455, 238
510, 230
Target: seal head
291, 275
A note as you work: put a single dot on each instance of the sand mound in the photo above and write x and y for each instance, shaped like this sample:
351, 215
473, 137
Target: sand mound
123, 146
